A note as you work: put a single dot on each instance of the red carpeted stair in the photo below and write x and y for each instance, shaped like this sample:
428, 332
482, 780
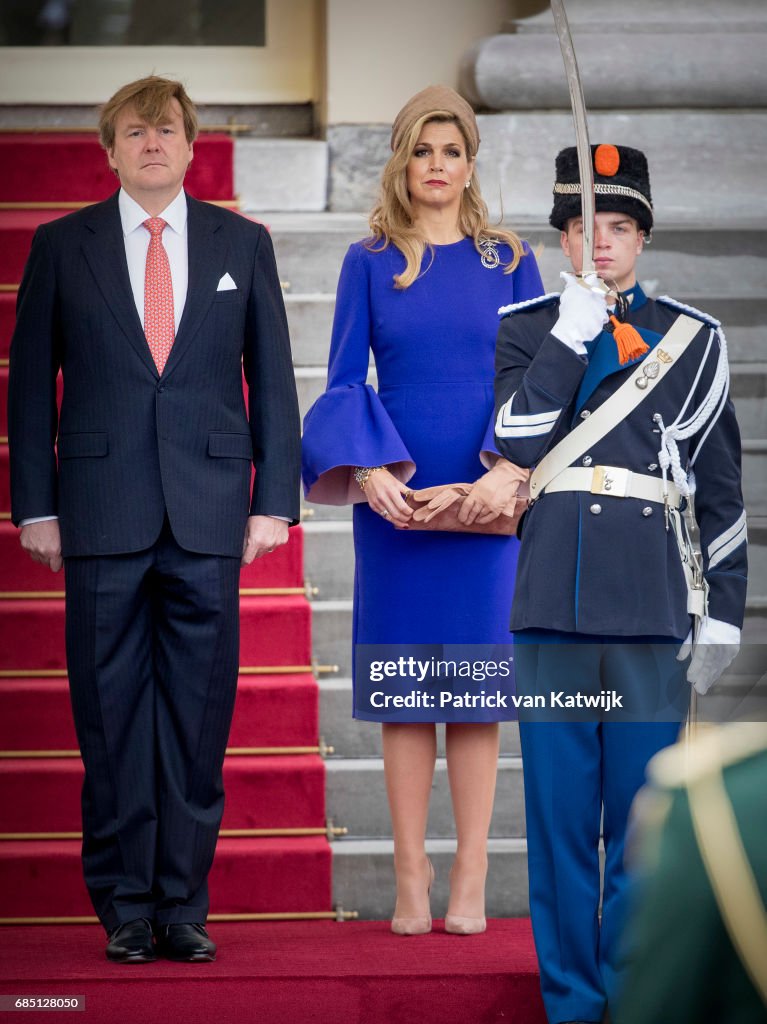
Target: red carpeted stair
291, 973
72, 168
274, 774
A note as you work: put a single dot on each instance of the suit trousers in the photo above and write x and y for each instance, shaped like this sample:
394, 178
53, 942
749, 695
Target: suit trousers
578, 774
152, 652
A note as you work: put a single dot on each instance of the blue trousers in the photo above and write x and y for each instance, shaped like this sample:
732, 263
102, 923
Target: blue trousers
576, 773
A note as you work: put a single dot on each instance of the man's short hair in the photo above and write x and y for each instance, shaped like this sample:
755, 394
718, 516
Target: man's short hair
150, 97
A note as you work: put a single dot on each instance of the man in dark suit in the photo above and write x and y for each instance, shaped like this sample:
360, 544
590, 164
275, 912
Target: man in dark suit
151, 304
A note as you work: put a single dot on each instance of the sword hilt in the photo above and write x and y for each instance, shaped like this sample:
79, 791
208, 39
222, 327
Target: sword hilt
600, 286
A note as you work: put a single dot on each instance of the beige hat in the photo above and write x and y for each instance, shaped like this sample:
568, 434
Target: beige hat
436, 97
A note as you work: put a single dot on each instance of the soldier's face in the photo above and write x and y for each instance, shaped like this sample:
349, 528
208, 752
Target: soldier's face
617, 243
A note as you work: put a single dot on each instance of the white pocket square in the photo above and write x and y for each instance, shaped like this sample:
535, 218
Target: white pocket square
226, 284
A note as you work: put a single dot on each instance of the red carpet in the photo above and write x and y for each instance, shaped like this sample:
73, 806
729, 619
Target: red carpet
271, 711
16, 230
267, 789
274, 631
73, 168
283, 568
261, 792
7, 318
289, 973
43, 878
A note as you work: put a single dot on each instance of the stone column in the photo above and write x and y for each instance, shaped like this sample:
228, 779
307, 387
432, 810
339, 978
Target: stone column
653, 54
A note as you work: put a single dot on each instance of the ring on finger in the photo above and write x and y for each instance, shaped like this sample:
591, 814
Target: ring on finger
386, 514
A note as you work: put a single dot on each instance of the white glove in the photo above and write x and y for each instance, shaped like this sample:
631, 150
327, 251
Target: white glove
718, 644
582, 312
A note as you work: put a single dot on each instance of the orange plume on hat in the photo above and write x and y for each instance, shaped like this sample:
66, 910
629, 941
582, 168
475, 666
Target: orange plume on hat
607, 160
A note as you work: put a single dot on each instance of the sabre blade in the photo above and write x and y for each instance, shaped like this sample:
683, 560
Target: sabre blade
578, 104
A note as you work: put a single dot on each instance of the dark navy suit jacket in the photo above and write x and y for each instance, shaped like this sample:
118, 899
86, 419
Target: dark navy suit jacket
133, 445
598, 564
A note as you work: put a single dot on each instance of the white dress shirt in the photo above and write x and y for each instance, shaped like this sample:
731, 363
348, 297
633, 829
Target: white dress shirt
136, 238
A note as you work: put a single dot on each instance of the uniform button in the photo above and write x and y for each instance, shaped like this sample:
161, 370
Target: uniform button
587, 460
646, 511
585, 414
653, 466
161, 389
595, 510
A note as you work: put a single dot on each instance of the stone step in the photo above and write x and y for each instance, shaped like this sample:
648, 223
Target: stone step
311, 513
310, 317
281, 174
310, 320
332, 634
748, 387
757, 555
516, 162
703, 267
363, 877
356, 799
755, 476
329, 558
332, 630
353, 738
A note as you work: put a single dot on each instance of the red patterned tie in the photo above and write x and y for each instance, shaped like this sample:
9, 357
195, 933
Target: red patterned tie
159, 324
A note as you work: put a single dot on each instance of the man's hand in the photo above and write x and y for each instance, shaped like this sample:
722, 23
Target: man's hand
582, 312
43, 542
262, 535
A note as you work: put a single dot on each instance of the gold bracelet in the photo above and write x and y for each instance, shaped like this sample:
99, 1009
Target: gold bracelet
361, 474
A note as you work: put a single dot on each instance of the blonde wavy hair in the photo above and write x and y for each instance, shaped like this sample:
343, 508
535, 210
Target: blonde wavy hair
392, 223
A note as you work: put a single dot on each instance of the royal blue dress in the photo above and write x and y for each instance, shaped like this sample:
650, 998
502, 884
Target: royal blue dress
430, 422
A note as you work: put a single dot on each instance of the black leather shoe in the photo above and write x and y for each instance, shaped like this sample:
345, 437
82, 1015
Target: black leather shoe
188, 943
131, 943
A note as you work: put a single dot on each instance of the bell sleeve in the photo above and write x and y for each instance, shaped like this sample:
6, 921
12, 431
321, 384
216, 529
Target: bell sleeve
348, 425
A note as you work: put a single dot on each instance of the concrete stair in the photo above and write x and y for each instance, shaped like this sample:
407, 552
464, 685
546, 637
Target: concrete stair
356, 793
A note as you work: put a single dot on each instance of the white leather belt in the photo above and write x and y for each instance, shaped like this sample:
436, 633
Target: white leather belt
614, 482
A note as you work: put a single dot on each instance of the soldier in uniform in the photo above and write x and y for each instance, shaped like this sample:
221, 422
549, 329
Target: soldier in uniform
698, 937
606, 582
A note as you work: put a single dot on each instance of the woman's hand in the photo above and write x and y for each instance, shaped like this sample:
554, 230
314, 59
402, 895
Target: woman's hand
492, 493
384, 494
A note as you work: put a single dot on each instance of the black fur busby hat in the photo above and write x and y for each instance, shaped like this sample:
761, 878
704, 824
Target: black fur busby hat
621, 184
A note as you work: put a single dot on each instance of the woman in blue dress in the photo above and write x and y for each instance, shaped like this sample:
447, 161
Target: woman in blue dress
423, 293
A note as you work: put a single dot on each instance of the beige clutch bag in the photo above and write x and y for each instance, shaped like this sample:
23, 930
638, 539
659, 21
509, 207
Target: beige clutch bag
437, 508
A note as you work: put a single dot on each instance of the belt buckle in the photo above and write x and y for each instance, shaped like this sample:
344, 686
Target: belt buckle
610, 480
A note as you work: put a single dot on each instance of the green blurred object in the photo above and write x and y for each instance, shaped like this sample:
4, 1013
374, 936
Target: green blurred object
699, 914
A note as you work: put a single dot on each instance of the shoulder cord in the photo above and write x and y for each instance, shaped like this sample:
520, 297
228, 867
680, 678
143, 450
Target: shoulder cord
680, 430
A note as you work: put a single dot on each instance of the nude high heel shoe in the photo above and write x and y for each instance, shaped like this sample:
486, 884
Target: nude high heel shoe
414, 925
457, 925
